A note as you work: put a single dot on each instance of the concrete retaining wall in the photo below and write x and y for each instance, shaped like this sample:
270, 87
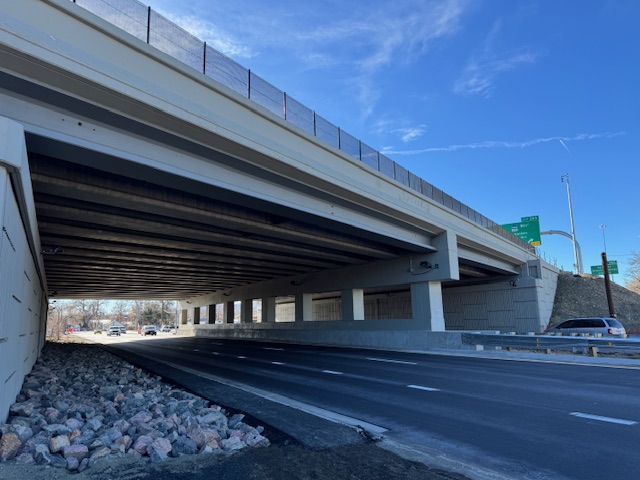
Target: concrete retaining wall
391, 334
22, 297
523, 304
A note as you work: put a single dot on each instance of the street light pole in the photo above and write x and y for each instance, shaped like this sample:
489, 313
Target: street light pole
604, 240
577, 265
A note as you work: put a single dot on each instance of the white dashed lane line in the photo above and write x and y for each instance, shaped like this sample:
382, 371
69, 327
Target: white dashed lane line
619, 421
332, 372
273, 348
278, 363
426, 389
388, 360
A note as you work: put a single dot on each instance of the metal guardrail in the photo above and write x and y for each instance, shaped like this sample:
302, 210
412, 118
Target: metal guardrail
139, 20
553, 343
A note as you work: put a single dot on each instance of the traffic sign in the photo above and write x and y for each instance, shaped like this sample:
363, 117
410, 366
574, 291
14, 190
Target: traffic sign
598, 270
527, 229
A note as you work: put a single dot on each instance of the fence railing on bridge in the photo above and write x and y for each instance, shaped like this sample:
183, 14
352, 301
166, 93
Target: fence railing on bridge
142, 22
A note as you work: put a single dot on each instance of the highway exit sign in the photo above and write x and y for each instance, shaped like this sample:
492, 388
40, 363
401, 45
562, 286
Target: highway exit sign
599, 270
527, 229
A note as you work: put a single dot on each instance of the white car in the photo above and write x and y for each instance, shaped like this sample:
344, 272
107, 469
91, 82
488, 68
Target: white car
113, 331
149, 330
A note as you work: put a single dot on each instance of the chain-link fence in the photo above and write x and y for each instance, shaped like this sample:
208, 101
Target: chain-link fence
140, 21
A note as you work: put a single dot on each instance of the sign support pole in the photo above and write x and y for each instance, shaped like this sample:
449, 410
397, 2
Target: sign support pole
607, 284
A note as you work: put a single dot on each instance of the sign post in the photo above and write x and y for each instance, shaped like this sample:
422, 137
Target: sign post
607, 284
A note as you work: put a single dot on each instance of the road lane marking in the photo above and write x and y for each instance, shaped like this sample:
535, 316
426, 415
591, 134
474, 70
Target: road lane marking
420, 387
240, 356
619, 421
332, 372
281, 399
273, 348
215, 353
196, 350
388, 360
278, 363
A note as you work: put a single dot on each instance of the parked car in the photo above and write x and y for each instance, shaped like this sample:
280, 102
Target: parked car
166, 328
149, 330
605, 326
123, 329
113, 331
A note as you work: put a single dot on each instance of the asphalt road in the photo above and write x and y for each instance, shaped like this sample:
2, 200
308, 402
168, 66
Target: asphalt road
519, 419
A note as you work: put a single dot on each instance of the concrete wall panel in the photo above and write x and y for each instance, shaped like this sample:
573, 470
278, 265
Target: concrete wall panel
21, 293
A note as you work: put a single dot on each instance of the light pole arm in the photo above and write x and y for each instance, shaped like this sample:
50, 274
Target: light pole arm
578, 250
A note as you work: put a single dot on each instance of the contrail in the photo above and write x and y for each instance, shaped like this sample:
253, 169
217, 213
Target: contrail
565, 147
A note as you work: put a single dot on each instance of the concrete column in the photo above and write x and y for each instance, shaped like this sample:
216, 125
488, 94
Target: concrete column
211, 314
196, 315
184, 316
229, 312
304, 308
426, 305
247, 311
268, 309
353, 304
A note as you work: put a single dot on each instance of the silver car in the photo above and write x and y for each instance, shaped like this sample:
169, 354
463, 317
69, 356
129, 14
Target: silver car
605, 326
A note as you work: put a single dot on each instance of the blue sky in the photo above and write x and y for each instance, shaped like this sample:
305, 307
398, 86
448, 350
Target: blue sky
491, 101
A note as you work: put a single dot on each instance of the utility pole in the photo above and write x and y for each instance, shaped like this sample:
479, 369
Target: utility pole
607, 285
577, 264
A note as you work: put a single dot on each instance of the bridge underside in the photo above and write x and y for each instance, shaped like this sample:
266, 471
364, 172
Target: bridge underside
142, 233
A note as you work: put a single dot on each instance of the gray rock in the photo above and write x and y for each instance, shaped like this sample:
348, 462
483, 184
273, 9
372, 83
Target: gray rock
157, 455
23, 433
73, 464
185, 446
57, 429
10, 444
232, 443
74, 424
25, 458
58, 443
234, 420
75, 451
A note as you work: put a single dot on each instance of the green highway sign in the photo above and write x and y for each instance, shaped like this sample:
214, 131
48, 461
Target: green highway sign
598, 270
527, 229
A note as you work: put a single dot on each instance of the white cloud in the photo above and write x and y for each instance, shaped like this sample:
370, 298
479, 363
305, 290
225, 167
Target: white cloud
480, 74
485, 66
411, 133
505, 144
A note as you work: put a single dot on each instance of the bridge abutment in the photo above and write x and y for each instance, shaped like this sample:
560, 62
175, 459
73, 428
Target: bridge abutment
23, 301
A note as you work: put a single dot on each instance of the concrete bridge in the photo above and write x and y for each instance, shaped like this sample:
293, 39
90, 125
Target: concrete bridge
136, 162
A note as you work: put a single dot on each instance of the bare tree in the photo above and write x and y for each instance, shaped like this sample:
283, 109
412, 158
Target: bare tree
88, 310
59, 316
633, 273
121, 310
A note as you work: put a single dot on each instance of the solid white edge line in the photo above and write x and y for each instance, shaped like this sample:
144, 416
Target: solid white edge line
619, 421
281, 399
388, 360
420, 387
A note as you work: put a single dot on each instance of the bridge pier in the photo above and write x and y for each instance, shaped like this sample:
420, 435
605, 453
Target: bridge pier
427, 305
353, 304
